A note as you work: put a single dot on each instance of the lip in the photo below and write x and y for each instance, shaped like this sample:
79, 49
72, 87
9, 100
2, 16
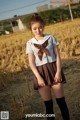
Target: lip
38, 33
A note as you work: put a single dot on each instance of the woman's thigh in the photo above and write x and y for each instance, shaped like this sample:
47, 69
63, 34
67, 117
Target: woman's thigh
45, 93
58, 90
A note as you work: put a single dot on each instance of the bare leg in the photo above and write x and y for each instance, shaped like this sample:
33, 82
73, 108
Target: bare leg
45, 93
60, 99
58, 90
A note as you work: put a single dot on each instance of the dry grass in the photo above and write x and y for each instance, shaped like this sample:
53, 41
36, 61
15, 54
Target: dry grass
12, 47
16, 83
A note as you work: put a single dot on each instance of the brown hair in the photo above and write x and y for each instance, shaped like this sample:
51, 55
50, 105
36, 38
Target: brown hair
35, 18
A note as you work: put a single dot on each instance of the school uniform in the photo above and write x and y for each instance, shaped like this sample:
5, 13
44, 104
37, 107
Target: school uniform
45, 59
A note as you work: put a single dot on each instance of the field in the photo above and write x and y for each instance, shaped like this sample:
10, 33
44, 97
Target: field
16, 79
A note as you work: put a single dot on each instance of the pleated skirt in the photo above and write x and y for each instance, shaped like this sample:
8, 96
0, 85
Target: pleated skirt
47, 72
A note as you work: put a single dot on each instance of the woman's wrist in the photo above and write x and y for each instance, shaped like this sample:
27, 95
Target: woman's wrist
38, 77
58, 71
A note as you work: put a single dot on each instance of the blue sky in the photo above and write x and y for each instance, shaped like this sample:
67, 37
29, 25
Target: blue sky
13, 4
6, 5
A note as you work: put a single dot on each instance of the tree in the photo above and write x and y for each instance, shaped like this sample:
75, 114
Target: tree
15, 16
71, 0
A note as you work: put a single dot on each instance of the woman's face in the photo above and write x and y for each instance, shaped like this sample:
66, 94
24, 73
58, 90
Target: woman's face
37, 29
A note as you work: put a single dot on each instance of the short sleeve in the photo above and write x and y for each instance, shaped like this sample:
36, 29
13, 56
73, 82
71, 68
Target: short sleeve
28, 48
55, 42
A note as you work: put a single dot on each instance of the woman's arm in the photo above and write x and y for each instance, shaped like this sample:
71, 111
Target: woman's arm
58, 64
58, 59
34, 69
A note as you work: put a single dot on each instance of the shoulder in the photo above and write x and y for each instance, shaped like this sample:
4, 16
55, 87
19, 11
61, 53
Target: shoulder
30, 41
52, 37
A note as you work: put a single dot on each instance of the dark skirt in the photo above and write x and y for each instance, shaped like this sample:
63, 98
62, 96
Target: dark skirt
47, 72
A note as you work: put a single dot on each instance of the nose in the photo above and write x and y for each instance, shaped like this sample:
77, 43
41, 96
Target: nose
38, 30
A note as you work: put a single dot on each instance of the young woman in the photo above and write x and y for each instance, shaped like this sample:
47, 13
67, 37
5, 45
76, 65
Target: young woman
45, 62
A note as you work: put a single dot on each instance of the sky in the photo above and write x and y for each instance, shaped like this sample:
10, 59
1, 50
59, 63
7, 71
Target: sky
29, 7
9, 8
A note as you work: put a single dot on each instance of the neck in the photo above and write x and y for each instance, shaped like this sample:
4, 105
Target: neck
39, 37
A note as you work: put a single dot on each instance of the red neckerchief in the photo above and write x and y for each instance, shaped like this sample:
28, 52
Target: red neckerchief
42, 49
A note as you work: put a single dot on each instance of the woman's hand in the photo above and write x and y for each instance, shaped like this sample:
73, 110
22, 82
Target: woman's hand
34, 69
41, 82
58, 77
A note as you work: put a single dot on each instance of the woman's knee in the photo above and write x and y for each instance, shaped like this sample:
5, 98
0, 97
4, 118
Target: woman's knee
45, 92
58, 90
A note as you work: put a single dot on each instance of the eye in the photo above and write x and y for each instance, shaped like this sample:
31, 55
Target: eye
40, 27
34, 28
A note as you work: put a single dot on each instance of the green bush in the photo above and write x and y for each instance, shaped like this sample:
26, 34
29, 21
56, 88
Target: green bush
8, 28
56, 15
2, 32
